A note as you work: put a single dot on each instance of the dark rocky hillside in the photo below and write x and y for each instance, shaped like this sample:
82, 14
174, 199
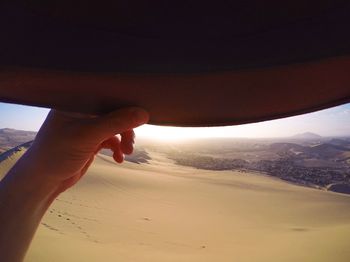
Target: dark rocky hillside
10, 138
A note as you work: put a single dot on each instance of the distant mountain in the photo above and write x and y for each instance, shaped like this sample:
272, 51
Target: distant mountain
328, 151
324, 151
10, 138
307, 136
340, 142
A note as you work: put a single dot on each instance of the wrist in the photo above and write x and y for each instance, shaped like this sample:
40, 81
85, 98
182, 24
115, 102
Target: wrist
24, 199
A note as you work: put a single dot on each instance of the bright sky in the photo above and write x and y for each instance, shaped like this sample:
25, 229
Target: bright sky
330, 122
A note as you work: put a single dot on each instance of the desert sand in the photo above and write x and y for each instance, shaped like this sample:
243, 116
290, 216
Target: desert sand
164, 212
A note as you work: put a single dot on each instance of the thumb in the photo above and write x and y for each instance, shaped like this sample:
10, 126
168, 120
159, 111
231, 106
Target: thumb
118, 122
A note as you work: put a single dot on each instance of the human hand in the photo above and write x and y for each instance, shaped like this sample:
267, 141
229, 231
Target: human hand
63, 150
66, 144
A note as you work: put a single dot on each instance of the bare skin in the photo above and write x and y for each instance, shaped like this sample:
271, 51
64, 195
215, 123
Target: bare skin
60, 155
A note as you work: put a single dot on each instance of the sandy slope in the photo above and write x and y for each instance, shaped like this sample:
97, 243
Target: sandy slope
8, 162
163, 212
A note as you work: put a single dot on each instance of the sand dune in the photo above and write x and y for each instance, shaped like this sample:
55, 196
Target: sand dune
9, 158
164, 212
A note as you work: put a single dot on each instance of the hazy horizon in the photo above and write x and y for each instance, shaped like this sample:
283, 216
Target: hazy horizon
332, 122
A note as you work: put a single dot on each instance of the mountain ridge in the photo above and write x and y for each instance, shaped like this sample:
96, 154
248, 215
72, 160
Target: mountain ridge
307, 135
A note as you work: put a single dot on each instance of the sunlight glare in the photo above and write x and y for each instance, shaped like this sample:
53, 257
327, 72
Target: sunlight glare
169, 133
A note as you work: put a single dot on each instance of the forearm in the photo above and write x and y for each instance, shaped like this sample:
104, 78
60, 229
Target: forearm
63, 150
24, 200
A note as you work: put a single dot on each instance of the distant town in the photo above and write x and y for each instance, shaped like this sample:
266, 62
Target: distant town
310, 161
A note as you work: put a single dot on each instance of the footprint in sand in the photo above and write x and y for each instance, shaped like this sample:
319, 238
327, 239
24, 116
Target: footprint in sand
69, 219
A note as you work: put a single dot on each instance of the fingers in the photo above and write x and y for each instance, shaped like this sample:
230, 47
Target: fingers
126, 145
113, 143
117, 122
118, 157
119, 148
127, 141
